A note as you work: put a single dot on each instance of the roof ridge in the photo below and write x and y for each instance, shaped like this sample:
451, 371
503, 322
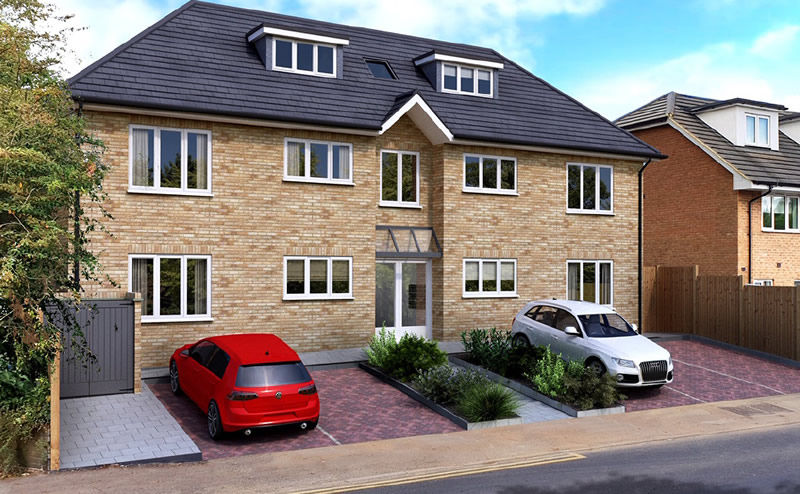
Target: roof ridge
116, 51
637, 109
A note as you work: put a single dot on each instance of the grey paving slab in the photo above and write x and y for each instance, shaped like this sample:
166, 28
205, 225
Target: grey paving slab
101, 430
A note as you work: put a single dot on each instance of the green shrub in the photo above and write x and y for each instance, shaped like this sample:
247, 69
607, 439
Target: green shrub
380, 346
437, 384
585, 390
548, 374
488, 402
412, 355
491, 349
523, 358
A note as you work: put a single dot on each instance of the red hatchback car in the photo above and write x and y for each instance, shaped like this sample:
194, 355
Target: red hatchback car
245, 381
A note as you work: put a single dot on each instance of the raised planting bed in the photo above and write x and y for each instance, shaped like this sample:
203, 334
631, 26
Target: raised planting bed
532, 393
443, 411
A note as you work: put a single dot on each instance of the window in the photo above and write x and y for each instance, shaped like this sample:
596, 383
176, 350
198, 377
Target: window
266, 375
467, 80
173, 287
762, 282
202, 351
757, 130
399, 179
589, 188
590, 281
304, 57
779, 214
169, 161
315, 161
218, 362
317, 278
490, 278
381, 69
490, 174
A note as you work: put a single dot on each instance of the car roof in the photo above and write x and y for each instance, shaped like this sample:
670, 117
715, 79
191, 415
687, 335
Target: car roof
255, 348
576, 307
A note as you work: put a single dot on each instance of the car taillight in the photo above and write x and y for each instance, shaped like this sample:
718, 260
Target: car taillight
308, 390
513, 321
241, 396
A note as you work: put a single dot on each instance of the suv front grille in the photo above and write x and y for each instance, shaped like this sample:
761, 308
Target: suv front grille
655, 370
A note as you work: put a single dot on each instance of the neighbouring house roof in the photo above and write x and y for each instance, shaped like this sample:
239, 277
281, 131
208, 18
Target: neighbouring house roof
198, 59
759, 165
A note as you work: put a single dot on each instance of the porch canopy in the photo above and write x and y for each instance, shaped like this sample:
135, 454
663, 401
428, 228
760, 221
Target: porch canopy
406, 241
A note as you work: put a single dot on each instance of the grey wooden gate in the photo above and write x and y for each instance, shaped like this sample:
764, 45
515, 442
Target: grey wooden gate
108, 326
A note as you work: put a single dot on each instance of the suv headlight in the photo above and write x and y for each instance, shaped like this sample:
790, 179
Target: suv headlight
624, 363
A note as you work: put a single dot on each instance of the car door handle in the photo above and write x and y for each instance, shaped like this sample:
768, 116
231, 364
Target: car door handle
554, 337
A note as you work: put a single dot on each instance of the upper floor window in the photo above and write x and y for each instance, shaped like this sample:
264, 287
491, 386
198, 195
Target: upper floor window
399, 179
173, 287
169, 161
590, 281
381, 69
318, 161
466, 80
490, 278
304, 57
779, 214
757, 130
589, 188
315, 278
490, 174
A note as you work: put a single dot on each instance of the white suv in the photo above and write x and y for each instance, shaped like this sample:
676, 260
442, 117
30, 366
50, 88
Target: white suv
596, 335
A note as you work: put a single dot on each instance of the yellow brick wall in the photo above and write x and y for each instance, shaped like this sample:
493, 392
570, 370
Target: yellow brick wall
255, 219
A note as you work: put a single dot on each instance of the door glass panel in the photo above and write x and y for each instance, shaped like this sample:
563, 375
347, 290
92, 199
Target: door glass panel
414, 293
588, 282
170, 287
318, 276
384, 295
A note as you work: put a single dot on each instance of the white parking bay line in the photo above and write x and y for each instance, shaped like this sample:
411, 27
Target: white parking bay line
732, 377
336, 441
686, 395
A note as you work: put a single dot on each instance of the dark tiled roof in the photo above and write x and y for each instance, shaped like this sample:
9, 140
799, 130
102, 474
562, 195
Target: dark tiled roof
198, 59
790, 116
760, 165
738, 101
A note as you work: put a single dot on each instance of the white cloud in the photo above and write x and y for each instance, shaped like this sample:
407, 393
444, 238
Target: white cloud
775, 44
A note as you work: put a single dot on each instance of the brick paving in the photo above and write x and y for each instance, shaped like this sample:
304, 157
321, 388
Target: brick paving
356, 407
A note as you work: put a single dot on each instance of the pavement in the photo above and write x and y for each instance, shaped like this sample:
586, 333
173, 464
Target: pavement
388, 462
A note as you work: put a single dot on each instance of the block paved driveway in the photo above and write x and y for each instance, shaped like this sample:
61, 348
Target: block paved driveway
707, 373
356, 407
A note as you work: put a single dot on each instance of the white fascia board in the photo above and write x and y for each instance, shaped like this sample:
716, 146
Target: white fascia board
462, 60
779, 189
417, 102
297, 35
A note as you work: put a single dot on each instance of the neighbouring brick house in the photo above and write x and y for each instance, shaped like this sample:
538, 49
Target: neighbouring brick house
733, 169
271, 173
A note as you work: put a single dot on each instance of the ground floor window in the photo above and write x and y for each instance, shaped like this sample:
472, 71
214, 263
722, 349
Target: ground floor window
317, 278
490, 277
764, 282
173, 287
590, 281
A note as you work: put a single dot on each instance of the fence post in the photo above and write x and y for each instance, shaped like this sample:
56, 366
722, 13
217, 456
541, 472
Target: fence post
695, 274
741, 311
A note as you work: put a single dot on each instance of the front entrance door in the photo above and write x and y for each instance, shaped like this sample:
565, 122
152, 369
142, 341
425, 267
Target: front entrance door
403, 297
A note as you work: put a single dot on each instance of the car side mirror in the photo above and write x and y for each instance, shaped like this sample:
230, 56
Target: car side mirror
572, 331
636, 328
185, 353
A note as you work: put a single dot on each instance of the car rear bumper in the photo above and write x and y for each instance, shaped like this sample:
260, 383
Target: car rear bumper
234, 419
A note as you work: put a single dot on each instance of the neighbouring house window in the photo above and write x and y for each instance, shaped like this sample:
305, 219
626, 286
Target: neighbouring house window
589, 188
779, 214
173, 287
304, 57
490, 277
757, 130
490, 174
170, 161
317, 278
590, 281
764, 282
318, 161
399, 178
381, 69
467, 80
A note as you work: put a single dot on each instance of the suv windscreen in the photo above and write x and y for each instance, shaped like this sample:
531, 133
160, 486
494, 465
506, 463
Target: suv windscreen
265, 375
606, 326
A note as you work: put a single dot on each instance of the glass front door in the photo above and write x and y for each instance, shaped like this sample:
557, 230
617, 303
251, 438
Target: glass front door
403, 297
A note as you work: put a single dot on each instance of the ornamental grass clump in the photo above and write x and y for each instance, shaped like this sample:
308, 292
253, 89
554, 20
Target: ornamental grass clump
488, 402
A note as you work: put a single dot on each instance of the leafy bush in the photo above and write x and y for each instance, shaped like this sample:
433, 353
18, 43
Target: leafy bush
491, 349
488, 402
548, 374
585, 390
380, 346
444, 384
523, 358
412, 355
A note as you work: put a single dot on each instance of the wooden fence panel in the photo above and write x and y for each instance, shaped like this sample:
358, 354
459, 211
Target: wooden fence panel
675, 299
649, 315
717, 307
768, 319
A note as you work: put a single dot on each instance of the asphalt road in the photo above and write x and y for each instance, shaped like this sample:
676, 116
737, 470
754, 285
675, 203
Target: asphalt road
744, 463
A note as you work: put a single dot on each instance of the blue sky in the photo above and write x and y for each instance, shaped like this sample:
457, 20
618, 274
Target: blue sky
612, 55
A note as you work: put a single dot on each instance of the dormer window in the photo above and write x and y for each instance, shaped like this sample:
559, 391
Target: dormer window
466, 80
299, 56
757, 128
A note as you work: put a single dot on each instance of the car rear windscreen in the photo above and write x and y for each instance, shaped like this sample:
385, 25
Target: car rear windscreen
265, 375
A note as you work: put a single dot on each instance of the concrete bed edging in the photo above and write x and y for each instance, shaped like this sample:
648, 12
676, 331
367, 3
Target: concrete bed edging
531, 393
413, 393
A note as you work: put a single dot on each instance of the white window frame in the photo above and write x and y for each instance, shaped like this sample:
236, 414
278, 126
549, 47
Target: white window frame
183, 317
772, 228
308, 178
763, 282
399, 203
306, 295
475, 70
756, 131
596, 263
486, 190
596, 209
156, 188
294, 69
487, 294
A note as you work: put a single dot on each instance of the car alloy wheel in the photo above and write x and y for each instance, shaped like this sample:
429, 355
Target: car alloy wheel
214, 422
597, 367
522, 340
174, 381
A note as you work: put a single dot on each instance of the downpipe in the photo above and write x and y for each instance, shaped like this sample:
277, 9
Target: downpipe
641, 174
